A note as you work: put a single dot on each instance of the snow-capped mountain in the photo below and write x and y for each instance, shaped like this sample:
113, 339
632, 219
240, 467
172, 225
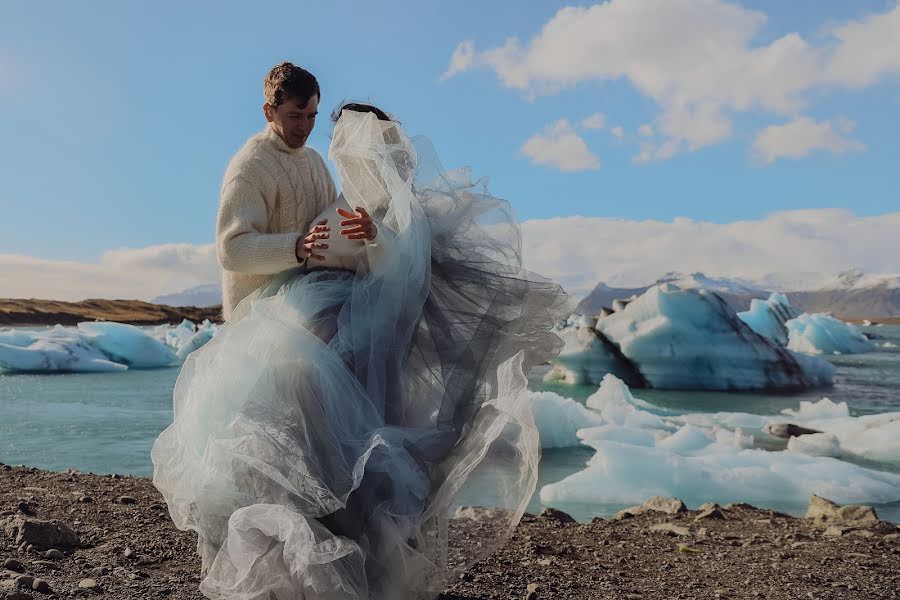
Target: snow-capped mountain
851, 294
208, 294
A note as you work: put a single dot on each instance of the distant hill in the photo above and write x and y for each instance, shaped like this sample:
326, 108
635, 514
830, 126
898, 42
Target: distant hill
849, 295
208, 294
135, 312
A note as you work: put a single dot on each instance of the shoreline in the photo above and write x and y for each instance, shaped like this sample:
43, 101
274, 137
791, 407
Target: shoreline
128, 548
34, 312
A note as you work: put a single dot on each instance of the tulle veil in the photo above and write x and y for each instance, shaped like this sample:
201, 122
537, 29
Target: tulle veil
323, 440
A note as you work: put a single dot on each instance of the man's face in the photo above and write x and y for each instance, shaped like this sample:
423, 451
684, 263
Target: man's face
293, 121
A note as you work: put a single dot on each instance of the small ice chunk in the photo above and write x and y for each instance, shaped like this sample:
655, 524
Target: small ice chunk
823, 334
558, 419
197, 341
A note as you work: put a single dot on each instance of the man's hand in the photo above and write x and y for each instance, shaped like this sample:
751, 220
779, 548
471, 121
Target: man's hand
358, 226
307, 245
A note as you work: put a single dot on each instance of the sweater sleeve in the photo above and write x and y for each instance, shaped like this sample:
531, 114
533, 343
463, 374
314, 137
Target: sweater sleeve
241, 239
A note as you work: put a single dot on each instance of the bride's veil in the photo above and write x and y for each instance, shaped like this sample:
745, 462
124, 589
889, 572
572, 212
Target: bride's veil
484, 321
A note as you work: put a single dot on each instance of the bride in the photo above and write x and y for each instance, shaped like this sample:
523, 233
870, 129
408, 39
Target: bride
323, 438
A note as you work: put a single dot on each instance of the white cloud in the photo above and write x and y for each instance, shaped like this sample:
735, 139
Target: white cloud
126, 273
801, 136
576, 251
697, 59
618, 132
646, 130
595, 121
559, 146
463, 58
867, 50
581, 251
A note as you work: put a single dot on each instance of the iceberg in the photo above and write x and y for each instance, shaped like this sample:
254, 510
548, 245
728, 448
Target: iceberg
587, 356
823, 334
56, 350
100, 346
769, 317
128, 345
691, 339
642, 450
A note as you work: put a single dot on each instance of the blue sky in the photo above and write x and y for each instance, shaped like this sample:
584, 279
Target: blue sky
117, 118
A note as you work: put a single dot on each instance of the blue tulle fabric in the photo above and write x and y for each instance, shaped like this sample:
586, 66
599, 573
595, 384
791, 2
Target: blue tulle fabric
322, 439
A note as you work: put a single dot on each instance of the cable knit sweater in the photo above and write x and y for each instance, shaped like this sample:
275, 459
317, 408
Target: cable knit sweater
269, 196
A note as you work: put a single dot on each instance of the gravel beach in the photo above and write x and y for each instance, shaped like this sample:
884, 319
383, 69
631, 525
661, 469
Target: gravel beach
77, 535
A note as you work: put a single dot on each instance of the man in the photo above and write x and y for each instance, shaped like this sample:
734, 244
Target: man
272, 190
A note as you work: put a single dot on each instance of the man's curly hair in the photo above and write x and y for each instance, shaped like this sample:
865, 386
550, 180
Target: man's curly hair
286, 81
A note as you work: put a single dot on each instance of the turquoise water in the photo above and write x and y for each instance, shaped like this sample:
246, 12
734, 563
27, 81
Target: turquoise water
106, 422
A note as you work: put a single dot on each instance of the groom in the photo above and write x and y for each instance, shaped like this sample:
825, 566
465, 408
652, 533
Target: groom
272, 190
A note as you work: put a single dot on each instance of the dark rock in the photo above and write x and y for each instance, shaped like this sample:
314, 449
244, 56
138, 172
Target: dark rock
54, 554
557, 515
13, 565
46, 564
41, 534
127, 500
24, 581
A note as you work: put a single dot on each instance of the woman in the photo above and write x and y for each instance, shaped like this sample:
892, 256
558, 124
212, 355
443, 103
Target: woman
322, 438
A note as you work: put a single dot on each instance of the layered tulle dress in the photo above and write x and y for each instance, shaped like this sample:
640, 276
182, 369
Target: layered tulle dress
323, 439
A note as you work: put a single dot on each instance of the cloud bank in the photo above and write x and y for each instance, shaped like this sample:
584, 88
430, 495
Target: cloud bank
576, 251
126, 273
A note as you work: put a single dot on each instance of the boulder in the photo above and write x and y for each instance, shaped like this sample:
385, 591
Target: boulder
825, 512
670, 506
710, 510
557, 515
40, 533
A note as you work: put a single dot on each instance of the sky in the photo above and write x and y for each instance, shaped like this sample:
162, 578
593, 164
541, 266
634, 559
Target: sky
735, 138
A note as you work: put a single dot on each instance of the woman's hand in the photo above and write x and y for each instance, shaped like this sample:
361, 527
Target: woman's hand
307, 245
358, 226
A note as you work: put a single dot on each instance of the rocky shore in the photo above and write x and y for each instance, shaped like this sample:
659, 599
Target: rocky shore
76, 535
134, 312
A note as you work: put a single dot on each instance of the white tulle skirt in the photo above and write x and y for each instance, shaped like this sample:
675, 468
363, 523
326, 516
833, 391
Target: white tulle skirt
320, 441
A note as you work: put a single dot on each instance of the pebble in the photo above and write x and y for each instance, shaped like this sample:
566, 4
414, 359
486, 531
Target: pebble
128, 553
13, 565
127, 500
46, 564
670, 529
42, 586
54, 554
88, 584
100, 571
24, 581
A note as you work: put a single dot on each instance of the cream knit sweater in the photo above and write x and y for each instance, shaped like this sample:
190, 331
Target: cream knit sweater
270, 194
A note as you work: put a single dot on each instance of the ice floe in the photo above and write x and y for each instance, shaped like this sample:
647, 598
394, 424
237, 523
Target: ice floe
100, 346
642, 450
823, 334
